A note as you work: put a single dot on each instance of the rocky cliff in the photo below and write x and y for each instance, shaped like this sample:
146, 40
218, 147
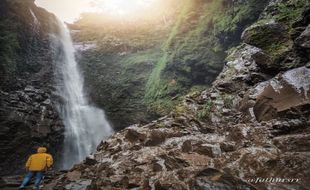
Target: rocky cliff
141, 69
28, 115
249, 128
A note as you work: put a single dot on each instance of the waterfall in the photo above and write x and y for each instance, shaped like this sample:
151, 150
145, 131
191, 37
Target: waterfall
85, 125
35, 19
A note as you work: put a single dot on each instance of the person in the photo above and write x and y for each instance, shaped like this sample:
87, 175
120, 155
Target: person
36, 165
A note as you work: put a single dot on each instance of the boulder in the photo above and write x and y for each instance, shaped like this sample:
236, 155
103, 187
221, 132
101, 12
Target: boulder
303, 40
287, 90
264, 33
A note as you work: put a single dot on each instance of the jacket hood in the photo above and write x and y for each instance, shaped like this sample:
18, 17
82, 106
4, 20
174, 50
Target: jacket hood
41, 150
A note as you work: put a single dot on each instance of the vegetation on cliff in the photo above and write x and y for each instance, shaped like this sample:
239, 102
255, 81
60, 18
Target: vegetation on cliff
149, 66
194, 52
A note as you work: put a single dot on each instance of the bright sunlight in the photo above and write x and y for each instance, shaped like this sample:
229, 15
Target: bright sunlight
123, 7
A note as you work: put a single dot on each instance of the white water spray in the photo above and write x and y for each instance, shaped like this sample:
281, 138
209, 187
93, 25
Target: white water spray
85, 125
35, 19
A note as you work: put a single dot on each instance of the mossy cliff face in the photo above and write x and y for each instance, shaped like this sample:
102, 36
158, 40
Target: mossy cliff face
28, 116
277, 26
140, 71
194, 52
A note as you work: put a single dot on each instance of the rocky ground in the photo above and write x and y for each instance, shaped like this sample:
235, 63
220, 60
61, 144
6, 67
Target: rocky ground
253, 123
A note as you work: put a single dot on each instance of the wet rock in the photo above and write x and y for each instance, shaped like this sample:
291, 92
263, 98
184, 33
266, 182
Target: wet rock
10, 181
225, 86
172, 162
79, 185
74, 175
287, 127
155, 137
228, 146
132, 135
243, 62
47, 102
282, 93
187, 146
214, 95
29, 89
263, 60
264, 33
256, 77
215, 180
85, 46
303, 40
208, 149
293, 142
90, 161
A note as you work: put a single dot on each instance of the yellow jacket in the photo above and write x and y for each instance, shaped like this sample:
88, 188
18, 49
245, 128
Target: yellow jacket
40, 161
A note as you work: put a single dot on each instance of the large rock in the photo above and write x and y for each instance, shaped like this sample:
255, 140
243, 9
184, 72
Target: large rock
243, 65
264, 33
303, 40
288, 90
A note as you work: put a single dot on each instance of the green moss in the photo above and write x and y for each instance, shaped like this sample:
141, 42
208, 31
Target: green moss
194, 51
228, 101
277, 49
149, 56
163, 62
205, 112
290, 12
276, 41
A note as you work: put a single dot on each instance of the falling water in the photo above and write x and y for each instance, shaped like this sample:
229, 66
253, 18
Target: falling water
85, 125
35, 19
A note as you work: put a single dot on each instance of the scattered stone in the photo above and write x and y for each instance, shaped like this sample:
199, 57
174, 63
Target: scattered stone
79, 185
29, 89
208, 149
74, 175
155, 137
47, 102
132, 135
228, 146
187, 146
90, 161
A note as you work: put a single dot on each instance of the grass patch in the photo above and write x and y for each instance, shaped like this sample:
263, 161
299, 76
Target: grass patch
205, 113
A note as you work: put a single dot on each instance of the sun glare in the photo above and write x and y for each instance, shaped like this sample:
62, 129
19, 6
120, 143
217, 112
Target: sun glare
124, 7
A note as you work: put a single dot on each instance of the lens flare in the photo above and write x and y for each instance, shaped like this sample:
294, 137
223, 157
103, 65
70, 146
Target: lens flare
123, 7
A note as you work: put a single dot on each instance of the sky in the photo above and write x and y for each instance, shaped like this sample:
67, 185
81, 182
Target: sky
69, 10
66, 10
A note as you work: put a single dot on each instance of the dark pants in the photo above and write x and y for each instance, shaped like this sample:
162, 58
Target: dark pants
39, 177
